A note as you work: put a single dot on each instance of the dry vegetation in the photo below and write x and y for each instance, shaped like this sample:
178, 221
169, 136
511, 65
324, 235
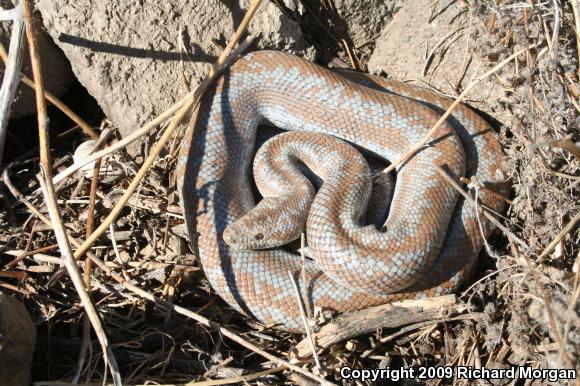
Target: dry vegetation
523, 302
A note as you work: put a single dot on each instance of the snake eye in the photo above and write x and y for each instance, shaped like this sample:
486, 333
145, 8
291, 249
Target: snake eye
259, 236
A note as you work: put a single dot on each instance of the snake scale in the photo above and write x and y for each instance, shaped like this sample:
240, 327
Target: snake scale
430, 239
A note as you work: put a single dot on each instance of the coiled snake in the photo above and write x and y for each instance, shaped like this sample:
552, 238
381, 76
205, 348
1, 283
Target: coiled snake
430, 240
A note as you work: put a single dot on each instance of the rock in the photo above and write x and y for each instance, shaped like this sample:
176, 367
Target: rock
365, 19
17, 341
414, 31
133, 57
55, 67
329, 24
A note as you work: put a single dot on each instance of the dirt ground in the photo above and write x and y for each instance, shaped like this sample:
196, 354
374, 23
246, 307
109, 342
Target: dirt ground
521, 305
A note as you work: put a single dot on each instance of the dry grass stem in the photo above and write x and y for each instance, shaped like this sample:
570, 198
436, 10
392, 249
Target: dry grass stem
88, 267
300, 302
495, 222
45, 179
409, 153
577, 21
560, 236
12, 71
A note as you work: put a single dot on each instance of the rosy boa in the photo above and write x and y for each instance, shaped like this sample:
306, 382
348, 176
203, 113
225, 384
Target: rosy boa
432, 237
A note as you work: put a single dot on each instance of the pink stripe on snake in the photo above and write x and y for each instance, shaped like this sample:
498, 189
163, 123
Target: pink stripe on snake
430, 240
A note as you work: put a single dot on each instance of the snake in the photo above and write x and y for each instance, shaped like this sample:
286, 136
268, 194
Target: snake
332, 120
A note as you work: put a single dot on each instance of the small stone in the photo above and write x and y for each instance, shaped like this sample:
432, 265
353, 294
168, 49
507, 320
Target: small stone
17, 341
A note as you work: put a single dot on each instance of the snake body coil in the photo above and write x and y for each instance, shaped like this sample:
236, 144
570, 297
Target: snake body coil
431, 238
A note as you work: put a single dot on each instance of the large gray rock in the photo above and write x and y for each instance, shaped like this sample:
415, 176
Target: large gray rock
57, 74
17, 341
133, 57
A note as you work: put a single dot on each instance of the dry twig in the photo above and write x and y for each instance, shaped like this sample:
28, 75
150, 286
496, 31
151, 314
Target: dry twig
88, 269
45, 178
11, 72
390, 315
467, 197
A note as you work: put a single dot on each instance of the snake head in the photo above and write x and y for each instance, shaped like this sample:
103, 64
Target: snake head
239, 236
266, 226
